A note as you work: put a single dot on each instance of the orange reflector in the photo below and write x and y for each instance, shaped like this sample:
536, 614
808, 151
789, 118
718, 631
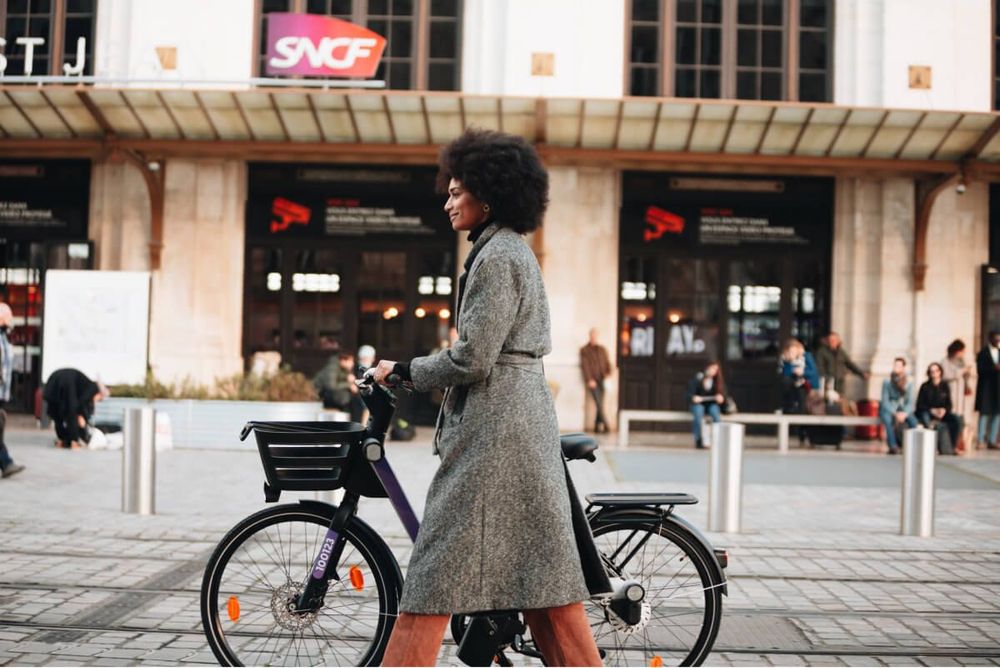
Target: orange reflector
656, 662
357, 578
233, 608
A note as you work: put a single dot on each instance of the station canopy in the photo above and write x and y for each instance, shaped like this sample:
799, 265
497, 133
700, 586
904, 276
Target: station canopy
315, 124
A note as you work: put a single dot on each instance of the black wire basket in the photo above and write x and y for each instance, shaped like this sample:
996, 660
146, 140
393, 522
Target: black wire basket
305, 456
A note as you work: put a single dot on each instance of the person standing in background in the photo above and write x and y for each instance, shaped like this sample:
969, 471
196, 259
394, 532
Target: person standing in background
988, 391
596, 366
834, 362
957, 374
7, 464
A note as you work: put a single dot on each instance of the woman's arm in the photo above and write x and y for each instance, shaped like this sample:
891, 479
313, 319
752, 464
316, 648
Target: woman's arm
924, 398
490, 305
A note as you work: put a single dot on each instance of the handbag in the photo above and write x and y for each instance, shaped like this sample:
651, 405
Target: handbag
729, 407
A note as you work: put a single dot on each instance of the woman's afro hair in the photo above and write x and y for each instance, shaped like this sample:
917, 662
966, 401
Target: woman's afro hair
500, 170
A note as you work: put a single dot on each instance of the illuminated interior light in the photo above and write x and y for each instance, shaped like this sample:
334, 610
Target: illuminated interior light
420, 313
443, 285
425, 285
444, 314
390, 313
674, 317
641, 317
274, 281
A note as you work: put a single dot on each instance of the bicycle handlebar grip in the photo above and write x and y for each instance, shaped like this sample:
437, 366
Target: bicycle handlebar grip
247, 428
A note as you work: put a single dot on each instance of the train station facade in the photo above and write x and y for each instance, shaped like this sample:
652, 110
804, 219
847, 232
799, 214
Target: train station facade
724, 175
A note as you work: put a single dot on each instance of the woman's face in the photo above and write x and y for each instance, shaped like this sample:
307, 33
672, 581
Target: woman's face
934, 373
712, 370
463, 209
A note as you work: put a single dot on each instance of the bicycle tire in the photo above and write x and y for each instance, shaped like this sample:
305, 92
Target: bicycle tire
267, 625
693, 559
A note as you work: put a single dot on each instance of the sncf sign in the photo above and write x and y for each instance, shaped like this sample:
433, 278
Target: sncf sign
321, 46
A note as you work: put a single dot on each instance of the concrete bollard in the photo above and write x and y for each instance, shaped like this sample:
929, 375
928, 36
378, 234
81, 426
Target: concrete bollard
331, 496
917, 515
139, 461
725, 479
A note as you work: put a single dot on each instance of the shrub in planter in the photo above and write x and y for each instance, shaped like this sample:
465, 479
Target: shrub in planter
284, 385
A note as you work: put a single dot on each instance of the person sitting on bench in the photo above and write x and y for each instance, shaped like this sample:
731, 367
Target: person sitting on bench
934, 407
896, 408
706, 393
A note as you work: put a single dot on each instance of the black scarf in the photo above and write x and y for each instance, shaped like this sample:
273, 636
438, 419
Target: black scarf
477, 248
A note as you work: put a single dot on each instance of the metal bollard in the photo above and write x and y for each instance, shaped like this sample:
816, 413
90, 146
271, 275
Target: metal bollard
725, 479
139, 461
331, 496
917, 516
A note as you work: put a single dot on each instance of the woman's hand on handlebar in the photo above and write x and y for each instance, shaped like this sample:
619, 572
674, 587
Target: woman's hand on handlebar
382, 370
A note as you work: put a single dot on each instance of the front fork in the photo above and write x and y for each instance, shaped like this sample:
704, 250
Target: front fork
324, 566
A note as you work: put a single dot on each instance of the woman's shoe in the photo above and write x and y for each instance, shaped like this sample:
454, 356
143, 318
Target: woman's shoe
699, 444
893, 451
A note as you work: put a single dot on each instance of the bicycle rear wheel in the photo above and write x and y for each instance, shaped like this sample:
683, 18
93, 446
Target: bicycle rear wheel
682, 603
258, 570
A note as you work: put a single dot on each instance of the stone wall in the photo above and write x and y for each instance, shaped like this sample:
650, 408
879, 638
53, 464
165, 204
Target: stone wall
196, 323
874, 305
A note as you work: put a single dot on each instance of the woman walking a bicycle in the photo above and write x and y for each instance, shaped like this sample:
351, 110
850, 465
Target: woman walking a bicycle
498, 530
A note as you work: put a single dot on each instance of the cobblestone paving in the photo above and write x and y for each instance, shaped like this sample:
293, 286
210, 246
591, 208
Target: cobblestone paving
819, 575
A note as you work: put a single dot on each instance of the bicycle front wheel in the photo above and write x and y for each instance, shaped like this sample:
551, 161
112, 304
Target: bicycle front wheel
677, 620
257, 572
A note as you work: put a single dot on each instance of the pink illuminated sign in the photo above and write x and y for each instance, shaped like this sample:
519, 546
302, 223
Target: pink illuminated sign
321, 46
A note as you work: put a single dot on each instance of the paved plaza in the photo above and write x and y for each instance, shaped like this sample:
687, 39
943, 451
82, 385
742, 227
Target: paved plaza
818, 576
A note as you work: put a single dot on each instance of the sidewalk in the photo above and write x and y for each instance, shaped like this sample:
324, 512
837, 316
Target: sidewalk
819, 575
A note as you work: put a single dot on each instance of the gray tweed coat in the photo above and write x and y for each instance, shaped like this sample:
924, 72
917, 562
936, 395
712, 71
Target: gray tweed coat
497, 531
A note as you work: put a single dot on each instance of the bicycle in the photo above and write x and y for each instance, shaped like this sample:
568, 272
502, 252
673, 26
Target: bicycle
313, 584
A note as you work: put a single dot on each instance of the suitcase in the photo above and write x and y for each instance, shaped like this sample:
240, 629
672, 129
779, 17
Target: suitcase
944, 444
826, 434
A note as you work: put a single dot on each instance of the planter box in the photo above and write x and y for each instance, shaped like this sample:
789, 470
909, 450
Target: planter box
210, 424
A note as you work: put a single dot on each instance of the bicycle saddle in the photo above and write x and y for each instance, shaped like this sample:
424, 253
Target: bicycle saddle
578, 446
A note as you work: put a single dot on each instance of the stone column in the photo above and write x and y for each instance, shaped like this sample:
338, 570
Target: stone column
197, 304
581, 277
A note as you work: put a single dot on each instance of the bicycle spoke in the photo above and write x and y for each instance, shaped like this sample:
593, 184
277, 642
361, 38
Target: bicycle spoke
676, 597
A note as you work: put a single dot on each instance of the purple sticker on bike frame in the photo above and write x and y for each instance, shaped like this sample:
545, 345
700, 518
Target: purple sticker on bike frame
397, 496
323, 558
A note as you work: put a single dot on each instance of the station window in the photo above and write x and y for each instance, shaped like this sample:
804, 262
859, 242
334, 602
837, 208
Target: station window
423, 37
737, 49
61, 23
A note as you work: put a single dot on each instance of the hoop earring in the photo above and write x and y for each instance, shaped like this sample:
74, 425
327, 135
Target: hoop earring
486, 208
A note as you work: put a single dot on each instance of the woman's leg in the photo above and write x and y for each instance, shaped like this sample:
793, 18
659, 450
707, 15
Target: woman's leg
698, 411
564, 635
889, 422
981, 431
715, 411
415, 640
994, 428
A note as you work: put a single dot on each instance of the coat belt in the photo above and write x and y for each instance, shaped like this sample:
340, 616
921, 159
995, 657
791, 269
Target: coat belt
517, 360
522, 362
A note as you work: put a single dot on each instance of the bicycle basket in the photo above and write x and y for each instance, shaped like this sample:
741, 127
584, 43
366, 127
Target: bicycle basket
306, 456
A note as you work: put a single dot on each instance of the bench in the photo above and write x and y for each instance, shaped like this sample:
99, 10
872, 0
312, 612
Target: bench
781, 420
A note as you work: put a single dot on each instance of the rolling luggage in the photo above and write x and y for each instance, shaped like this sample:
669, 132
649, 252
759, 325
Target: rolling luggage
824, 434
